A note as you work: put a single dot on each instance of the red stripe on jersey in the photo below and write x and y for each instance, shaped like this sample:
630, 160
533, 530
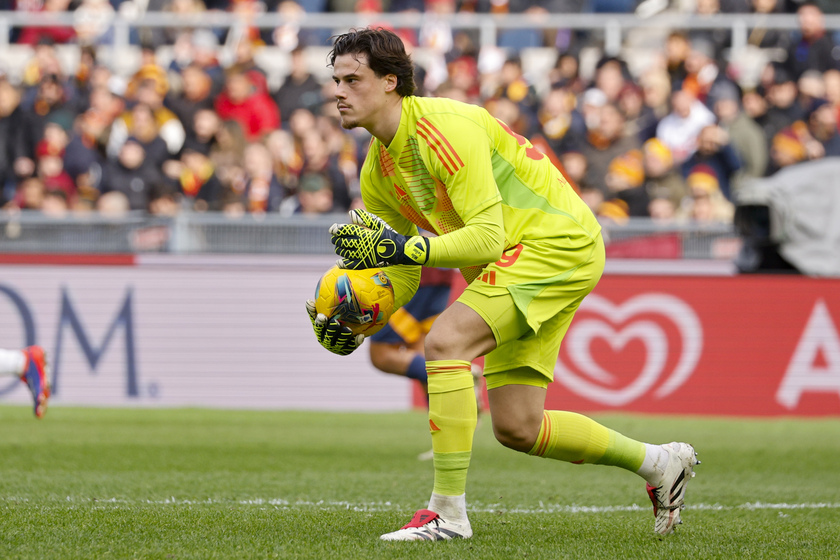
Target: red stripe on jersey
443, 138
438, 139
434, 147
432, 134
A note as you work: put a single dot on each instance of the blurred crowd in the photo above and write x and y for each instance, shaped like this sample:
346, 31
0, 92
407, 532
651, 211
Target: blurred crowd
673, 138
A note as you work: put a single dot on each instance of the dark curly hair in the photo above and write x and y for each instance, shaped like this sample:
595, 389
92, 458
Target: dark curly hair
385, 53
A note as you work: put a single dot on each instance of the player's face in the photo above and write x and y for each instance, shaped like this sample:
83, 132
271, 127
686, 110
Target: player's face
359, 93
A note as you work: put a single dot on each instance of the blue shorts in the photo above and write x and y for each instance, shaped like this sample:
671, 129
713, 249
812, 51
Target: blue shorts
415, 318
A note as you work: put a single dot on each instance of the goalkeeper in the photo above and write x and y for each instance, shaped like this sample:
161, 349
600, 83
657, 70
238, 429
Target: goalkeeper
530, 251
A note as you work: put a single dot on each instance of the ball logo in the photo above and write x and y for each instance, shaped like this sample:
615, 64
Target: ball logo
647, 318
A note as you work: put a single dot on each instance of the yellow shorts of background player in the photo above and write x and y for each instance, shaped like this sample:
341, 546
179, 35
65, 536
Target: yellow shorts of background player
528, 298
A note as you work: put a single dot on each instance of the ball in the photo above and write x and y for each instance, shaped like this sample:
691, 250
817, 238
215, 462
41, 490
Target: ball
362, 300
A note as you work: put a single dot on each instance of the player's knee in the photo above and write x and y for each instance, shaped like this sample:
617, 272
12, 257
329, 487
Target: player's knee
516, 435
378, 357
439, 346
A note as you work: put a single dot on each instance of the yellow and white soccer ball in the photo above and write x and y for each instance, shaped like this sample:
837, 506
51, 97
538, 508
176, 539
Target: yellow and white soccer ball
362, 300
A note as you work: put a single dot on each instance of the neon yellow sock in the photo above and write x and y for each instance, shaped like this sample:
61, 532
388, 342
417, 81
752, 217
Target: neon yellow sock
452, 420
572, 437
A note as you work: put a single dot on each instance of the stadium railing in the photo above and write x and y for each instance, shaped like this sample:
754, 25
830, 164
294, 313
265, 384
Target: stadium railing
488, 26
196, 233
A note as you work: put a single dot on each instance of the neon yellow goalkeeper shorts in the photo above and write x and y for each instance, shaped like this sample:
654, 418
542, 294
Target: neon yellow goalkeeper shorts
528, 298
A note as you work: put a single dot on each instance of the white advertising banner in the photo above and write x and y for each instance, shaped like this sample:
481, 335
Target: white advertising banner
198, 331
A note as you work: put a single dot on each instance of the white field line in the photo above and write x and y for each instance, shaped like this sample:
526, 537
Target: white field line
478, 507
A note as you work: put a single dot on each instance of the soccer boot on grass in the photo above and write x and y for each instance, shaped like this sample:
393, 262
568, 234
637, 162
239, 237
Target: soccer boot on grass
668, 498
426, 525
37, 378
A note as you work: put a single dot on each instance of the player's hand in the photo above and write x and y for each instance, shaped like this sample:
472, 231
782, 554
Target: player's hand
331, 334
369, 242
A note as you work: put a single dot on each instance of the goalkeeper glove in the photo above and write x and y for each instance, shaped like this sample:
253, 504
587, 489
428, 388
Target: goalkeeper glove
369, 242
330, 334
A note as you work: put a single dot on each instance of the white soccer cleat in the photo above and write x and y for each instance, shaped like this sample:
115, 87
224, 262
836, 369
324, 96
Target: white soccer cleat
668, 498
426, 525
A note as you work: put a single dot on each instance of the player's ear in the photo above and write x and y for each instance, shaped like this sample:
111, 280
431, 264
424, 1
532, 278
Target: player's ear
391, 83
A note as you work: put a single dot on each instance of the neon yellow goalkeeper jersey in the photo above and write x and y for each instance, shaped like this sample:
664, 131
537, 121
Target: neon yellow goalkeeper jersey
450, 160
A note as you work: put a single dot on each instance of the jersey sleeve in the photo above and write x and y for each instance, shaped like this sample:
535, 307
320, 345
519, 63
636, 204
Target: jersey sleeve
459, 155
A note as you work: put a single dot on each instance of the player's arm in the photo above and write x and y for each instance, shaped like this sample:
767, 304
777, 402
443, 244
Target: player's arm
459, 155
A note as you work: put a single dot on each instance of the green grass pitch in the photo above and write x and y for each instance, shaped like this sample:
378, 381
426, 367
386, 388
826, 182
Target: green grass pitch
177, 484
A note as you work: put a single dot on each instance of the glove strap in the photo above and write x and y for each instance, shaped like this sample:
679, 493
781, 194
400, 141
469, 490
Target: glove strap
416, 250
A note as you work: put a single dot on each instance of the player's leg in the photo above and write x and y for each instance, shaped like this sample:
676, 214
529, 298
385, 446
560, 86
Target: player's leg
398, 347
30, 364
518, 372
521, 423
399, 359
458, 336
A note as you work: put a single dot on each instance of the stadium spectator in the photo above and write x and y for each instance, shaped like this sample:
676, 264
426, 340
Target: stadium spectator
464, 80
561, 123
765, 38
625, 182
317, 159
84, 155
16, 160
677, 49
131, 174
300, 89
286, 158
50, 170
49, 102
314, 196
113, 204
93, 22
144, 129
717, 38
679, 129
662, 180
822, 125
812, 47
197, 182
344, 149
783, 110
603, 144
788, 147
640, 120
510, 113
746, 136
262, 192
205, 54
149, 87
227, 152
610, 78
516, 88
715, 151
656, 91
566, 73
706, 203
29, 195
248, 104
179, 8
48, 33
196, 94
205, 128
703, 71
